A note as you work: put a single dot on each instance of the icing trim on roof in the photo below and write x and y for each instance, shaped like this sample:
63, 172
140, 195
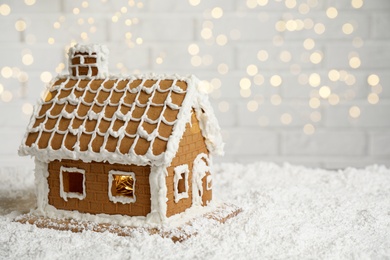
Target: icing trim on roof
193, 99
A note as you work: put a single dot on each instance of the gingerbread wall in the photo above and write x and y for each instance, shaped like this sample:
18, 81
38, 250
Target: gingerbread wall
191, 145
96, 185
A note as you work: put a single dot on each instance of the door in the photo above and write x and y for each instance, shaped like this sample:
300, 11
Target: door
201, 180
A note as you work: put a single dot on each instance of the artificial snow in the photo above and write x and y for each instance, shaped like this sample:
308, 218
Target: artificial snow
288, 212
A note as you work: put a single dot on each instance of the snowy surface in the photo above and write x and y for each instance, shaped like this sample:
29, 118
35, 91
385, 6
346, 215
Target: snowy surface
289, 212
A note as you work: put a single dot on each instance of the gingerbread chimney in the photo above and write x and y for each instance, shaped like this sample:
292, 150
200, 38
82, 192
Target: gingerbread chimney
88, 61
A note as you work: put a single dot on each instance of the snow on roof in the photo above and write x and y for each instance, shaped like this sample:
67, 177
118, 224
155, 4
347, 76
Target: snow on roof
128, 120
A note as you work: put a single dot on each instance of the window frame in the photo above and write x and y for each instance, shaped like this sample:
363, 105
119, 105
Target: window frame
71, 195
120, 199
179, 170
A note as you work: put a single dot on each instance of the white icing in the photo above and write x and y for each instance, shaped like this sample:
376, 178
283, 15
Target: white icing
193, 99
92, 115
100, 53
208, 123
75, 195
199, 170
41, 185
121, 199
179, 170
158, 191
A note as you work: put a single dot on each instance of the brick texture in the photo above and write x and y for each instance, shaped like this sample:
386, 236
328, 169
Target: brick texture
96, 181
96, 184
191, 145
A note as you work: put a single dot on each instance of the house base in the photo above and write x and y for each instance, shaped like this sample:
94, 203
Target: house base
219, 214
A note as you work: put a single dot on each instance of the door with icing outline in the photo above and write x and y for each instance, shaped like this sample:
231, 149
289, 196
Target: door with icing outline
201, 180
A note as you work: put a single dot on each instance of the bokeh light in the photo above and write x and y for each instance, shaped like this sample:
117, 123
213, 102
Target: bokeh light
5, 9
331, 12
347, 28
262, 55
324, 92
319, 28
223, 68
314, 79
196, 61
373, 98
139, 40
6, 96
309, 129
217, 12
308, 44
285, 56
29, 2
245, 83
316, 57
314, 102
354, 62
251, 4
275, 80
221, 40
262, 2
258, 79
194, 2
27, 59
357, 3
333, 99
76, 11
354, 112
252, 106
334, 75
245, 93
373, 80
27, 108
6, 72
20, 25
286, 118
46, 77
56, 25
251, 70
290, 3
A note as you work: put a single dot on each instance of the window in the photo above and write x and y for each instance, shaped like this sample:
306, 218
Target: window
181, 182
72, 183
121, 186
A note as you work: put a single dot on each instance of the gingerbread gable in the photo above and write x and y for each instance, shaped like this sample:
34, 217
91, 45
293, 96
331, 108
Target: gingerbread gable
129, 120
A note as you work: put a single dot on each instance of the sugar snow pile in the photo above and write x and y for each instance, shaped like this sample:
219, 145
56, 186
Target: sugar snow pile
288, 212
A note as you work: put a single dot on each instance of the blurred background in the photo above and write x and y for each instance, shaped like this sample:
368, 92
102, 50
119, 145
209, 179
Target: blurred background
299, 81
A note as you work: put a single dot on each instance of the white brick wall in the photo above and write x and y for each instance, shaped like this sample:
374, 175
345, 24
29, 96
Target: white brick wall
168, 27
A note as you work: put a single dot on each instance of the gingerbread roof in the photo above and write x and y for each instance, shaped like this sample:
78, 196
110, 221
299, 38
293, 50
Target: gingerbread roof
128, 120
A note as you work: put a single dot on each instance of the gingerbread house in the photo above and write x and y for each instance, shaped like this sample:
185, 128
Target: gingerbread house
134, 146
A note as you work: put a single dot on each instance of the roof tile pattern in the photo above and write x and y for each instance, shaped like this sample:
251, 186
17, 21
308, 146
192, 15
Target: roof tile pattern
123, 115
